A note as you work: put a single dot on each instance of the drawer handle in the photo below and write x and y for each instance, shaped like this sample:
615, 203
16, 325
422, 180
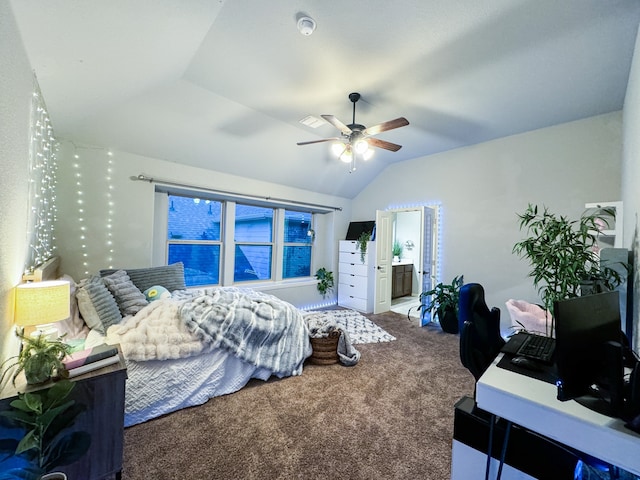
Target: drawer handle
352, 286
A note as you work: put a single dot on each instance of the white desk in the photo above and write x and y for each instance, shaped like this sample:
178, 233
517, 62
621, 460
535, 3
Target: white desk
532, 404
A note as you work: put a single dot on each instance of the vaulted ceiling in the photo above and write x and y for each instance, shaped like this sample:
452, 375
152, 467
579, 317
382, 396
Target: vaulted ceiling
223, 84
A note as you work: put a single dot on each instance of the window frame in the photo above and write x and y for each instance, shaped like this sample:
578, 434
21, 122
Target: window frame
228, 244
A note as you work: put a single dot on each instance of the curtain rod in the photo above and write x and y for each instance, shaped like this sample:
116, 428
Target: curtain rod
145, 178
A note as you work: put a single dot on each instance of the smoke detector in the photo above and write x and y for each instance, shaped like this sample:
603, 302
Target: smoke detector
306, 25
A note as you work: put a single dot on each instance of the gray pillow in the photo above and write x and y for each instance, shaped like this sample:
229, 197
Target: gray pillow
129, 298
97, 306
170, 277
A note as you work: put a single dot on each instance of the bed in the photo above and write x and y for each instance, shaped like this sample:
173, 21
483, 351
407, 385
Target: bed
184, 346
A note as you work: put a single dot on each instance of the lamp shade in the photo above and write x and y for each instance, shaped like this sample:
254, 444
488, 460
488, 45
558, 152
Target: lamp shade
39, 303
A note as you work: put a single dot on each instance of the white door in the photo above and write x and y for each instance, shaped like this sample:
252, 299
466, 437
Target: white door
383, 262
428, 253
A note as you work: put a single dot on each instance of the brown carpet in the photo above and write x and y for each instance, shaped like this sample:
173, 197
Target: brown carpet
389, 417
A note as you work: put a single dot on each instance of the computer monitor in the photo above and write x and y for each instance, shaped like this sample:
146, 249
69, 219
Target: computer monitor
358, 228
589, 352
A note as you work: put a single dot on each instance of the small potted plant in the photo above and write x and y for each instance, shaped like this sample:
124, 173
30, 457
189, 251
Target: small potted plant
397, 250
362, 244
45, 417
443, 300
325, 281
39, 358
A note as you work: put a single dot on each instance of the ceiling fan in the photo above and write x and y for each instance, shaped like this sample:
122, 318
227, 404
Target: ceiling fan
356, 138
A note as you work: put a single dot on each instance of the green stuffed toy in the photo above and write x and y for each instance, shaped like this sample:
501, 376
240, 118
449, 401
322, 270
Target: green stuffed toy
156, 293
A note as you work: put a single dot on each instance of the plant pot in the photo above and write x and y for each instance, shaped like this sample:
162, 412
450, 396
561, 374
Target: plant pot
54, 476
448, 320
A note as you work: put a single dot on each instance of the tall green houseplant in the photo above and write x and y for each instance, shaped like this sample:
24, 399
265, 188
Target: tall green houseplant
562, 255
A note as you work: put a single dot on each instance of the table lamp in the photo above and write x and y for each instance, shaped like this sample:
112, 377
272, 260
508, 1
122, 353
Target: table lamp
41, 304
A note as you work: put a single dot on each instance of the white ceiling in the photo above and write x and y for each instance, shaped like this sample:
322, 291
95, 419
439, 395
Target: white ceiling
223, 84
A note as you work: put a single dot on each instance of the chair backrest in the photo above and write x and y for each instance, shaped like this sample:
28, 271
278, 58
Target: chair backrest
480, 339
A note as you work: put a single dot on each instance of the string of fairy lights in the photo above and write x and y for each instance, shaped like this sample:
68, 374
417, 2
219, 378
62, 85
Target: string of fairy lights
81, 162
43, 166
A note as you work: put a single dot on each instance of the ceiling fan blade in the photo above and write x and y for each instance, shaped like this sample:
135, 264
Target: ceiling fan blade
383, 127
376, 142
337, 123
319, 141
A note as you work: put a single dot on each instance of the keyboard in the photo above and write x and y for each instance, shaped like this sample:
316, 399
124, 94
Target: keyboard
537, 347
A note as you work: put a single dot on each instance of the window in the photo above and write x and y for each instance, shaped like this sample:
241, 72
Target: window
253, 243
298, 236
194, 238
261, 243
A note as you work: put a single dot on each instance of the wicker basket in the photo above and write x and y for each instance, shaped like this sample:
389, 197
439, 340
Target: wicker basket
325, 349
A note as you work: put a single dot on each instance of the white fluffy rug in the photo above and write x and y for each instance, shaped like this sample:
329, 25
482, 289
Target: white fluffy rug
359, 327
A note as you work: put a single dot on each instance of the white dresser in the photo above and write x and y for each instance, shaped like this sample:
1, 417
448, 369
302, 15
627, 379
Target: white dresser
356, 279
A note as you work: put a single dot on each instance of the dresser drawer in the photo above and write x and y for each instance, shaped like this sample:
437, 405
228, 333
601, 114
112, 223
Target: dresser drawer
346, 257
349, 246
351, 279
352, 302
354, 288
357, 269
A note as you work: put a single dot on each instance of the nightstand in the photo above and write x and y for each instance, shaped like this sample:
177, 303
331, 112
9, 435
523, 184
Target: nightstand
102, 391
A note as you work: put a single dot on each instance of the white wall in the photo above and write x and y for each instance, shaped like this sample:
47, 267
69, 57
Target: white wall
16, 87
631, 178
117, 213
482, 187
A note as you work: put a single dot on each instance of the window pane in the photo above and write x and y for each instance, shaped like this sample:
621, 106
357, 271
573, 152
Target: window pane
297, 262
201, 262
253, 224
252, 262
193, 219
296, 227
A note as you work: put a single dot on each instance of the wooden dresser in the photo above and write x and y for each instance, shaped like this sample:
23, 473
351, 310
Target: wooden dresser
356, 279
102, 391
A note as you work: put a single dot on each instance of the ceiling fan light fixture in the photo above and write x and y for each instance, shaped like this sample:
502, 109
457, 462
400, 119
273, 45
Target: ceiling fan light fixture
306, 26
338, 148
367, 154
347, 155
361, 146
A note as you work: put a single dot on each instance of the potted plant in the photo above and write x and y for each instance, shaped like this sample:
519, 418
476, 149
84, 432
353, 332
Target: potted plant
443, 300
325, 281
397, 250
39, 358
563, 255
361, 244
45, 416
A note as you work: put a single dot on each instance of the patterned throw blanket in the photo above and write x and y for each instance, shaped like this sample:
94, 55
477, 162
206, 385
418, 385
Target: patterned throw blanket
258, 328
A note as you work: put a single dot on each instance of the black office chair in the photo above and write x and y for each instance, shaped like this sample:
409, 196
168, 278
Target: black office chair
480, 343
480, 339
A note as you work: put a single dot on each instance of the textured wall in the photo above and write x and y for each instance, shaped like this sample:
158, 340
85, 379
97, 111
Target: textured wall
480, 189
16, 86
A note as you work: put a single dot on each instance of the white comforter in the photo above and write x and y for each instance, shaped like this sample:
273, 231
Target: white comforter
258, 328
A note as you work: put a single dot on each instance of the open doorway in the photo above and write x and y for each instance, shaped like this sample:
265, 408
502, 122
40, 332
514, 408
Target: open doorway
413, 236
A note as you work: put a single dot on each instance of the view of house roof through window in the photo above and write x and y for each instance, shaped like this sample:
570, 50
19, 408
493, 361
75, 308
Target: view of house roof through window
195, 236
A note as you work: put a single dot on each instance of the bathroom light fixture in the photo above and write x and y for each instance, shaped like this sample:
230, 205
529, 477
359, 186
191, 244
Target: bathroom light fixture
306, 25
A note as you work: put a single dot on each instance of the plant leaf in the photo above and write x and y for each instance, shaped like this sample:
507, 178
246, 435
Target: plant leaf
67, 450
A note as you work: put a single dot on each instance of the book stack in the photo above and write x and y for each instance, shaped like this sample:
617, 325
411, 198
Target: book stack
90, 359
